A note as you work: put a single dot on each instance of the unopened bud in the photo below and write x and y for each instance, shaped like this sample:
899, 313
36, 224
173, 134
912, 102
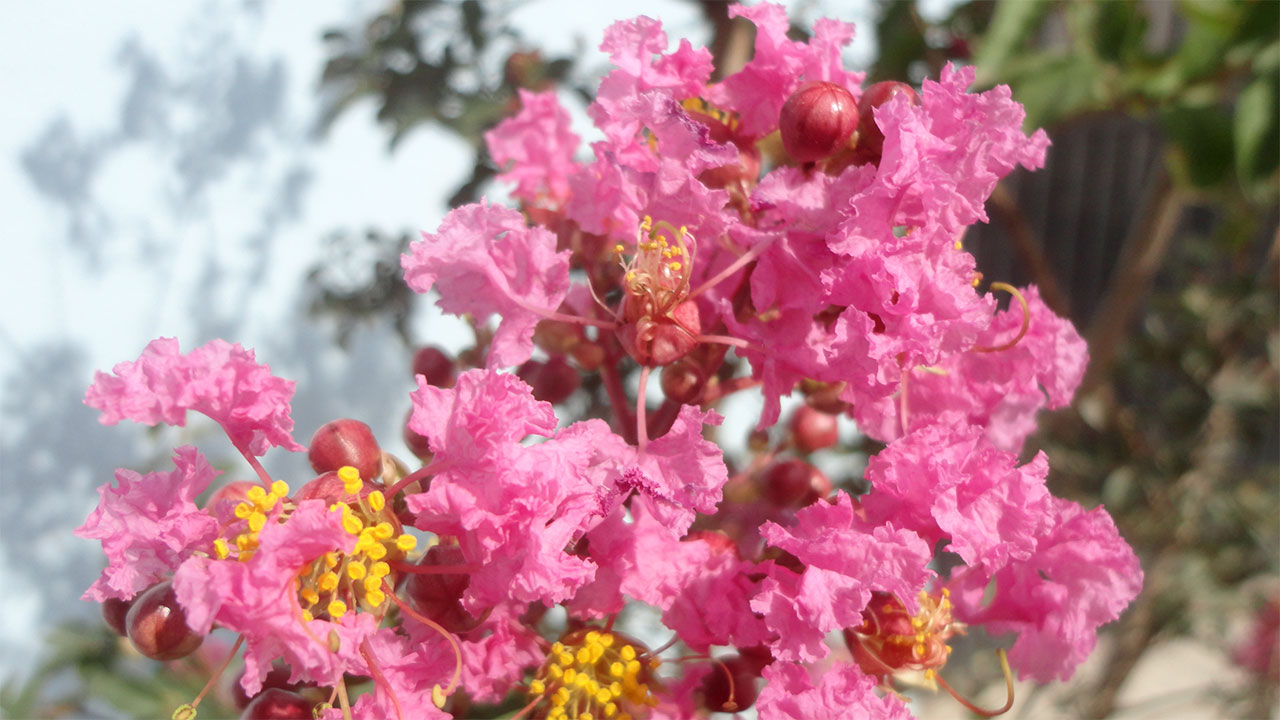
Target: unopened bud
817, 121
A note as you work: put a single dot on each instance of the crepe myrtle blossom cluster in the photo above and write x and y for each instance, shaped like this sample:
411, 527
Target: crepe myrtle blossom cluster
786, 229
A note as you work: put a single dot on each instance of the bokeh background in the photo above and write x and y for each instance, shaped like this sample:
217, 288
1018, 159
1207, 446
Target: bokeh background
252, 171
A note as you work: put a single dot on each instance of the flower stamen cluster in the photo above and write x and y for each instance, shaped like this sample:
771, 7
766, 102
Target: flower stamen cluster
590, 674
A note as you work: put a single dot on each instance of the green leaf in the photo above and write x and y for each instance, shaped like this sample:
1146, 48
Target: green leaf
1257, 130
1052, 87
1201, 142
1011, 26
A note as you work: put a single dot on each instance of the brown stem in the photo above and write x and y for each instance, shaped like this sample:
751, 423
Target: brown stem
1029, 250
1140, 259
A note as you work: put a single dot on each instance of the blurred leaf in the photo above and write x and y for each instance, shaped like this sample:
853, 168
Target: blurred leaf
1052, 86
1257, 130
1120, 28
1201, 138
472, 20
1011, 25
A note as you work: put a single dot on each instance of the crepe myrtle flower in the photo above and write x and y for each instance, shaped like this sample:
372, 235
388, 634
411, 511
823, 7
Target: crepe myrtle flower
784, 220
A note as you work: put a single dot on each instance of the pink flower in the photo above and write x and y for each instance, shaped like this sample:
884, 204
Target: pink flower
258, 598
1000, 391
404, 674
1081, 576
713, 605
842, 691
484, 413
845, 560
681, 473
947, 483
485, 260
218, 379
495, 654
536, 147
149, 524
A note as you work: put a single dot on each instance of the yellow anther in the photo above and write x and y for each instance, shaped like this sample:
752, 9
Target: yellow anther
257, 521
570, 675
437, 696
280, 488
406, 542
356, 571
616, 669
565, 659
675, 266
633, 668
375, 597
352, 524
537, 687
220, 548
256, 494
603, 696
383, 530
328, 581
243, 510
306, 615
377, 500
618, 248
628, 652
597, 651
563, 695
337, 608
584, 656
309, 595
376, 552
586, 716
582, 681
615, 688
331, 559
606, 640
348, 474
557, 647
244, 542
380, 570
610, 710
556, 671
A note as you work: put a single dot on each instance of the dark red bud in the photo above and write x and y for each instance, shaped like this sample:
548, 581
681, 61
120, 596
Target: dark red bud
715, 686
114, 611
157, 625
439, 595
277, 679
346, 442
416, 443
435, 365
746, 170
683, 381
817, 121
870, 137
718, 541
794, 483
277, 704
812, 429
552, 381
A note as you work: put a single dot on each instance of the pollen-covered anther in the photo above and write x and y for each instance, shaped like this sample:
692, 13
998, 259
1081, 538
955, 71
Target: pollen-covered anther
589, 673
255, 510
891, 640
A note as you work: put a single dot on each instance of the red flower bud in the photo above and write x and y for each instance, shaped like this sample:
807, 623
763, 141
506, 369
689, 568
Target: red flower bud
870, 137
416, 443
277, 679
552, 381
439, 595
346, 442
794, 483
157, 625
683, 381
277, 704
812, 429
436, 366
114, 611
662, 340
817, 121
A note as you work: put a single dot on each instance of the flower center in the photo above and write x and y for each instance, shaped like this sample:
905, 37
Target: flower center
591, 674
657, 277
891, 640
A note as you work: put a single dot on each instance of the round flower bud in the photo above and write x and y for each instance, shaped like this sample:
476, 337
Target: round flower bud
683, 382
417, 444
817, 121
665, 339
157, 625
552, 381
812, 429
114, 611
870, 137
345, 442
794, 483
277, 704
437, 367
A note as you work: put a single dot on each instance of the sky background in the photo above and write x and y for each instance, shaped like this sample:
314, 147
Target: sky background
160, 175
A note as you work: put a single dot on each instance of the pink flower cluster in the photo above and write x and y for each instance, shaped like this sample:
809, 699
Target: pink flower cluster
688, 244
